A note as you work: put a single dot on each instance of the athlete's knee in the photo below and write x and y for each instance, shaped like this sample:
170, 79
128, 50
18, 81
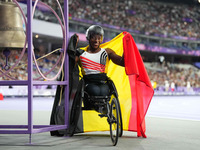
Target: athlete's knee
105, 90
93, 89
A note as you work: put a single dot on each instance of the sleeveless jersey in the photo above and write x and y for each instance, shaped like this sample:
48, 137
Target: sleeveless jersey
94, 63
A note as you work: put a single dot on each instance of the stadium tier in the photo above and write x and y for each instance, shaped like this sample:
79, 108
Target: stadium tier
160, 29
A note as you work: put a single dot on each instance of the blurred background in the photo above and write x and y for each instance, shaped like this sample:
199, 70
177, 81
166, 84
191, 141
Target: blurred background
166, 33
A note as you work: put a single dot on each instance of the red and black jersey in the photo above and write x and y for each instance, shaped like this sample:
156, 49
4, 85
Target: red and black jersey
93, 63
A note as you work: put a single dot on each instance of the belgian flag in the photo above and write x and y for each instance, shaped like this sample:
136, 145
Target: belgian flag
133, 86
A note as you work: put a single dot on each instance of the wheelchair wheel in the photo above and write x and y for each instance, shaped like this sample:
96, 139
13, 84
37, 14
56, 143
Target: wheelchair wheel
120, 120
114, 121
120, 116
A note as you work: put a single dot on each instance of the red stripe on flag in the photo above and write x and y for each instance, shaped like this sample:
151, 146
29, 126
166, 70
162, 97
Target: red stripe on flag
141, 88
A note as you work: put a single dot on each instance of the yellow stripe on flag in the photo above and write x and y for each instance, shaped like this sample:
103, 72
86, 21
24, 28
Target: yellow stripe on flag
91, 120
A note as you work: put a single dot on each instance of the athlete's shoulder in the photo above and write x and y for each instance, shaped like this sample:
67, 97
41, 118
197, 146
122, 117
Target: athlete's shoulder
79, 52
109, 50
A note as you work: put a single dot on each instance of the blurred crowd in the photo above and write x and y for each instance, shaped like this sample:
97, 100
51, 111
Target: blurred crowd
145, 17
20, 71
165, 77
169, 77
150, 18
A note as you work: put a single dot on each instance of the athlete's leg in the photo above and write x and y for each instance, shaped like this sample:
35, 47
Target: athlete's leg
93, 89
104, 89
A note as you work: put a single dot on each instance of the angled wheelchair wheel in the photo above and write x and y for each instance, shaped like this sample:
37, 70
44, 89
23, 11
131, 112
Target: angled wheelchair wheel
115, 95
114, 121
120, 120
120, 115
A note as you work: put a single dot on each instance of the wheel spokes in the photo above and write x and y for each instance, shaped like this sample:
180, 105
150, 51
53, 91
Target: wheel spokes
114, 122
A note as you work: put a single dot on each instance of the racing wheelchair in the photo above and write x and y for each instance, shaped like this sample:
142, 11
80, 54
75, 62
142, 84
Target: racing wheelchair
107, 106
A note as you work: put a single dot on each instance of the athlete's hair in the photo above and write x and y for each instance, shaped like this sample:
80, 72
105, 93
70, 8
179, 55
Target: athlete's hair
94, 30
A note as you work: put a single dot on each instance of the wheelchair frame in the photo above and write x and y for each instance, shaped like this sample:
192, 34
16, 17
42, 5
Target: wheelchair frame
107, 106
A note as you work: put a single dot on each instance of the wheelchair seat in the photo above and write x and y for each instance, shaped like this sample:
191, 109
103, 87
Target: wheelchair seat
105, 105
98, 103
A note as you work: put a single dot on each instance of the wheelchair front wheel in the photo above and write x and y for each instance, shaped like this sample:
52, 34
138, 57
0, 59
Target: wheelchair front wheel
120, 115
114, 121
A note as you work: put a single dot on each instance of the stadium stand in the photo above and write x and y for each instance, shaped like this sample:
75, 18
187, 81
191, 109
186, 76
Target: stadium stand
149, 22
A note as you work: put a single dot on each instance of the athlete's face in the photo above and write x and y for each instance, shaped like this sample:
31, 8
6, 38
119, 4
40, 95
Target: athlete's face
95, 41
